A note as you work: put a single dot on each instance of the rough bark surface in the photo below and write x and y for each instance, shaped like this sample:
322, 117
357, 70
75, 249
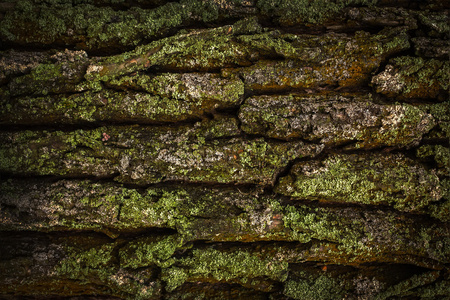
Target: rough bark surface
232, 149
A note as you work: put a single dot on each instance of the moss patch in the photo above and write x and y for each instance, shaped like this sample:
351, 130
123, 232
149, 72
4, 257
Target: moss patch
378, 179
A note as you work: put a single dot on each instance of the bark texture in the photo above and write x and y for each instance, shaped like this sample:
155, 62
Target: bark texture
232, 149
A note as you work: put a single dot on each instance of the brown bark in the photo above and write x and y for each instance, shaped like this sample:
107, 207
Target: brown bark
224, 149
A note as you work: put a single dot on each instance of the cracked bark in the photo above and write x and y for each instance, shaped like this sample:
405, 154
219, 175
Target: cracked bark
224, 149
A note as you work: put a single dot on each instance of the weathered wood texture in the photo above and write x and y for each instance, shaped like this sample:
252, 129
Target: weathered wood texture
224, 149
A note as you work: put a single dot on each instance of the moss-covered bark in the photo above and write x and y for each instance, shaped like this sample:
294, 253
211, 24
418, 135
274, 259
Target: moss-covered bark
371, 179
336, 119
205, 152
224, 149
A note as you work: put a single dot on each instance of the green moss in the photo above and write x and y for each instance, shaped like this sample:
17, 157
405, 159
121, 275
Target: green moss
222, 160
211, 49
200, 50
402, 288
440, 154
14, 25
413, 77
149, 251
440, 111
319, 119
167, 208
89, 261
200, 91
46, 152
174, 277
63, 76
207, 11
403, 126
271, 43
378, 179
104, 151
441, 211
393, 40
423, 71
40, 80
308, 224
101, 26
437, 22
81, 264
361, 237
440, 288
187, 211
322, 288
112, 209
223, 266
122, 106
247, 26
313, 61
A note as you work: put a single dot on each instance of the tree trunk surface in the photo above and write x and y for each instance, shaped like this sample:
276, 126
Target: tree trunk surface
232, 149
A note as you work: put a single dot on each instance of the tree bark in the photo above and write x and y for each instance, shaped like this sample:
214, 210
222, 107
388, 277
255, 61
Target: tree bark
224, 149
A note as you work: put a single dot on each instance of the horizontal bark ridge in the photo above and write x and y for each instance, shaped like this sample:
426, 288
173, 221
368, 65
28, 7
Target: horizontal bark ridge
224, 149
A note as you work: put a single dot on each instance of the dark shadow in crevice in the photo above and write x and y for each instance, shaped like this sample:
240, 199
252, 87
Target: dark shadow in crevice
126, 235
54, 234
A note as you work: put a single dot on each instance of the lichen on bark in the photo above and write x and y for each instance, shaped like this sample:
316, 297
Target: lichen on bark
224, 149
336, 119
414, 77
211, 151
389, 179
